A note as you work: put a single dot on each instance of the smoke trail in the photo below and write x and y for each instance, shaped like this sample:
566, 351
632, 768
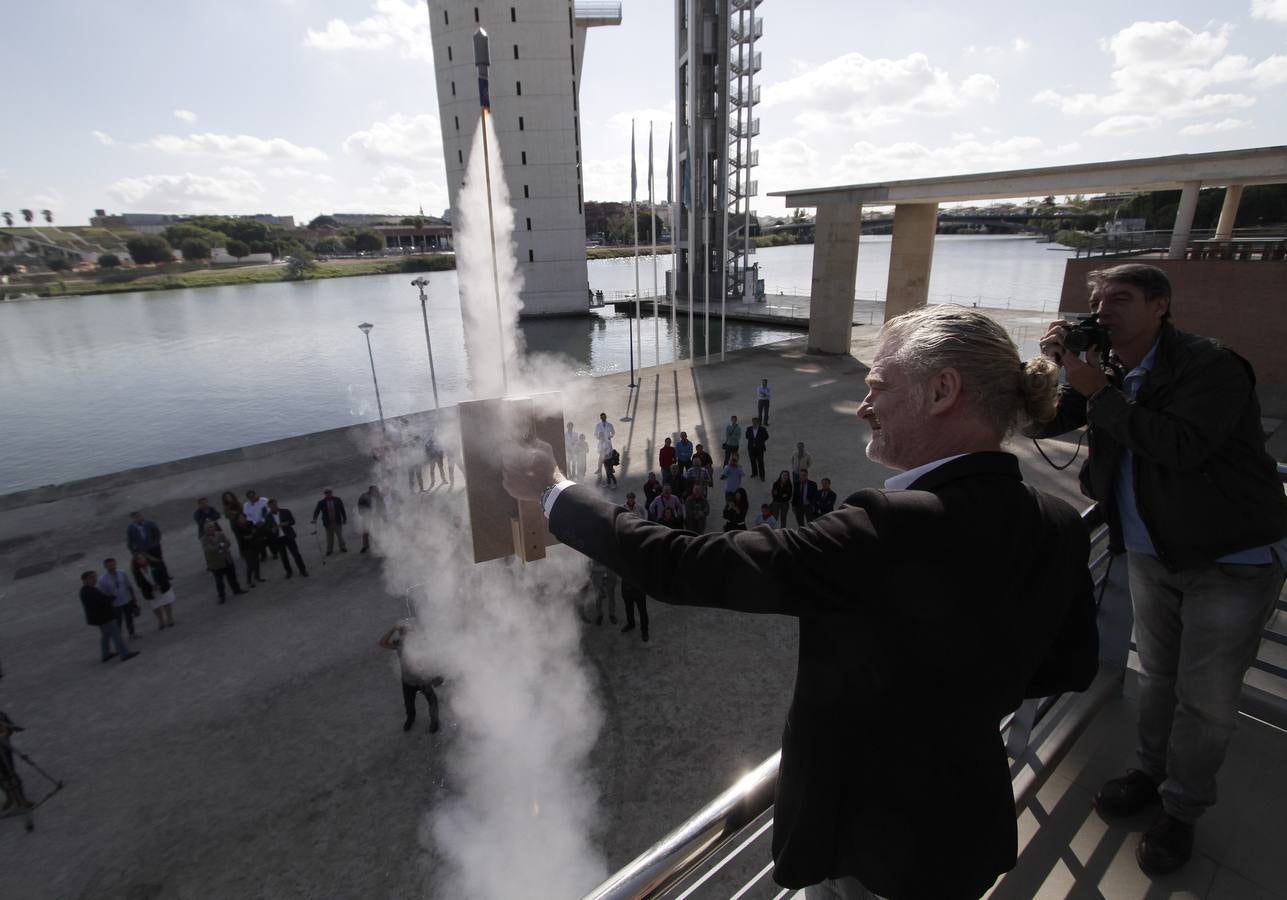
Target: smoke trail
521, 808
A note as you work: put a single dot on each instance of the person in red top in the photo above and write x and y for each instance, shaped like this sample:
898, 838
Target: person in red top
666, 459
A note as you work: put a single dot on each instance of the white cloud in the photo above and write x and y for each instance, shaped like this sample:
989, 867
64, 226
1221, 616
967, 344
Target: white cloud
185, 115
105, 139
296, 172
1273, 10
400, 23
1214, 127
239, 146
861, 92
400, 137
867, 162
1163, 69
1020, 45
393, 189
232, 190
1130, 124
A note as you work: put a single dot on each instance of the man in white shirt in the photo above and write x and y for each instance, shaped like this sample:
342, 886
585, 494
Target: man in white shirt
764, 517
762, 396
603, 433
256, 510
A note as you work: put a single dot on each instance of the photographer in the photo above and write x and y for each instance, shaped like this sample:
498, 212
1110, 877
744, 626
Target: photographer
1177, 463
957, 579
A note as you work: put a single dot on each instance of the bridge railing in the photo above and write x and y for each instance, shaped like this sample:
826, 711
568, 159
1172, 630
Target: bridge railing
1245, 243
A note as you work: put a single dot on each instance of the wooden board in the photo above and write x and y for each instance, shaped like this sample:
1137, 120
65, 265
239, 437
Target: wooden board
500, 525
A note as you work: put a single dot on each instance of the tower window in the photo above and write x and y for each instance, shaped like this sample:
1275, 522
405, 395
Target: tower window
574, 95
526, 195
445, 19
520, 123
460, 157
524, 157
529, 223
453, 89
572, 53
516, 51
475, 14
449, 52
518, 88
457, 118
513, 16
531, 256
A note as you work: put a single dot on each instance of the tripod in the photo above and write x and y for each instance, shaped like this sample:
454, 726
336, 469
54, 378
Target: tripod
16, 802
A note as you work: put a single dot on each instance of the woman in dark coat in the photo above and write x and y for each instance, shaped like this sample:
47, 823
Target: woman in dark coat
248, 546
781, 491
153, 579
735, 511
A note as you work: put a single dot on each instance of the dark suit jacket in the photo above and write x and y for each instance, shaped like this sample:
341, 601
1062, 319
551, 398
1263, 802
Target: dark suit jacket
756, 439
159, 573
925, 616
805, 495
320, 510
287, 528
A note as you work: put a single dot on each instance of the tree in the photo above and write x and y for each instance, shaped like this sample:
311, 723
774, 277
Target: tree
324, 222
798, 216
149, 248
297, 267
8, 269
49, 216
237, 249
57, 264
368, 242
8, 218
109, 261
194, 248
27, 215
177, 234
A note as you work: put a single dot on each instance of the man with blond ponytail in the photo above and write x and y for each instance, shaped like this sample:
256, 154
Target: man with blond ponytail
956, 583
1179, 467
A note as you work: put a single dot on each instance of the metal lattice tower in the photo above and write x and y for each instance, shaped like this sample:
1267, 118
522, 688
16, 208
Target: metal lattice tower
745, 28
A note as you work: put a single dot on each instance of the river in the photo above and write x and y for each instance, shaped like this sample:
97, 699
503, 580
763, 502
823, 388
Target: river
97, 384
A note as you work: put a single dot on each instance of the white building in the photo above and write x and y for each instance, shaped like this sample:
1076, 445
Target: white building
536, 51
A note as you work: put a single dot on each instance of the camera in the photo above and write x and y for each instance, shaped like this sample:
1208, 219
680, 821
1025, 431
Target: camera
1084, 333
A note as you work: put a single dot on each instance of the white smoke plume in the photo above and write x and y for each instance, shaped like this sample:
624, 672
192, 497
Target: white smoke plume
519, 710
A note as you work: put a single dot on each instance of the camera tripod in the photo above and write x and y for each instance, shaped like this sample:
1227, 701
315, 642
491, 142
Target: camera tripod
17, 805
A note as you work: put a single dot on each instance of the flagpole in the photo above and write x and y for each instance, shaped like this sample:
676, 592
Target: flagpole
634, 215
674, 251
656, 300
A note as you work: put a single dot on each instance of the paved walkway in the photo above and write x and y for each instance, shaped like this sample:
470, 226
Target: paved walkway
256, 749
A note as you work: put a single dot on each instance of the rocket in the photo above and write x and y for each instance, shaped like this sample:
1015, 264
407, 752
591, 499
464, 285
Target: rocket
482, 59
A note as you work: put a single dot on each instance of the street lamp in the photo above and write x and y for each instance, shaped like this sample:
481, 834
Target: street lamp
433, 379
366, 330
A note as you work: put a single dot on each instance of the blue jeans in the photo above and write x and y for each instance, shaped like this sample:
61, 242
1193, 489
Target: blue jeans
1197, 632
110, 634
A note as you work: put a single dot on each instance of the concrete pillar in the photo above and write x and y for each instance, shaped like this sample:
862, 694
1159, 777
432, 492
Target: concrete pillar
1228, 212
835, 273
1184, 219
910, 256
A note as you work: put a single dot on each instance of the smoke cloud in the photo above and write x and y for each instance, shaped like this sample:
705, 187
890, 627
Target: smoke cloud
519, 710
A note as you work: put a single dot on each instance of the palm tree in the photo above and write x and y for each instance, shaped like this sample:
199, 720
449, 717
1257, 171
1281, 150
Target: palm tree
49, 216
8, 218
26, 215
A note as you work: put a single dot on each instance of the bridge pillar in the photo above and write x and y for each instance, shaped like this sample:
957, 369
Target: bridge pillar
910, 256
1228, 212
835, 273
1184, 219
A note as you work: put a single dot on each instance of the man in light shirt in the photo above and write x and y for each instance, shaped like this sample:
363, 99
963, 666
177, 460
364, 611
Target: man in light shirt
762, 397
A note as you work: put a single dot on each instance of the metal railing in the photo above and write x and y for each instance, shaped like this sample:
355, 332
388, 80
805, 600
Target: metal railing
1258, 243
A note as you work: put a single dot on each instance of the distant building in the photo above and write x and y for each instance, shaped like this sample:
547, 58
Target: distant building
359, 220
537, 47
155, 223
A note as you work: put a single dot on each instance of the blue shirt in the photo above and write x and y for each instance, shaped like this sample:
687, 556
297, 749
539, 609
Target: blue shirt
1134, 532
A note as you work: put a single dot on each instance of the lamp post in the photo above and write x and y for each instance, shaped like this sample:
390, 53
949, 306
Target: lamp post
433, 379
630, 332
366, 330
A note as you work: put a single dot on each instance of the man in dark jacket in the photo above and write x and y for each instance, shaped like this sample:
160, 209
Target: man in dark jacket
143, 536
1178, 463
331, 509
958, 578
757, 441
99, 612
804, 499
282, 525
204, 513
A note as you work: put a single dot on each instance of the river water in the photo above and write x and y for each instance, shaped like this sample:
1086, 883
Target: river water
91, 385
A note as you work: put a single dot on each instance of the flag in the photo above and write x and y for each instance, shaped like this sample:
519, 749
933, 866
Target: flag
670, 165
650, 162
634, 179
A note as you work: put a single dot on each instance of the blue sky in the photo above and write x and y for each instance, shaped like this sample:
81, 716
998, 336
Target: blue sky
307, 106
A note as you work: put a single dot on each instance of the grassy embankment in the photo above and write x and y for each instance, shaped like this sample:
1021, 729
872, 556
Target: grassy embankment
180, 276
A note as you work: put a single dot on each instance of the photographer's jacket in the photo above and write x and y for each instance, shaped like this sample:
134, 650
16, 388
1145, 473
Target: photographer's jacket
925, 616
1204, 485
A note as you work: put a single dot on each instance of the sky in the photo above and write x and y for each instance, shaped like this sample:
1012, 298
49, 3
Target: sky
299, 107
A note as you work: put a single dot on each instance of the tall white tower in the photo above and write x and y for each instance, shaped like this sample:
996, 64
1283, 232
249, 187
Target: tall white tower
536, 51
